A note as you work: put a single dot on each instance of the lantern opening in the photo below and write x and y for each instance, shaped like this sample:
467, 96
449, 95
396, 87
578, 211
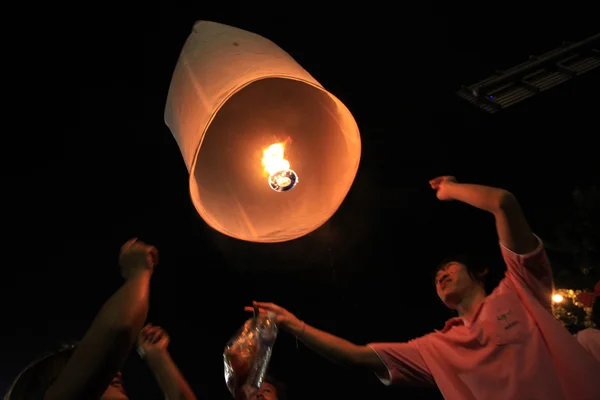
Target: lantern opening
231, 188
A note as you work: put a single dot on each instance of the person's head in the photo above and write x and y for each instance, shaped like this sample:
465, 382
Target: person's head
457, 277
38, 376
115, 390
595, 317
271, 389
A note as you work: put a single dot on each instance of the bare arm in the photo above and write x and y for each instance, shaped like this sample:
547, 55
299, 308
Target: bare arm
152, 346
106, 344
170, 379
391, 362
512, 227
338, 349
326, 344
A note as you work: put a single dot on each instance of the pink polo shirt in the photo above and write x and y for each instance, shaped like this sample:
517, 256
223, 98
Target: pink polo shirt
513, 349
590, 340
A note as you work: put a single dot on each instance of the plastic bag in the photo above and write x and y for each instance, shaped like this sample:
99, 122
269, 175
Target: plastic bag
247, 355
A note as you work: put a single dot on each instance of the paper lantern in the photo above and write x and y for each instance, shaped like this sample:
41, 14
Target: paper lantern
271, 154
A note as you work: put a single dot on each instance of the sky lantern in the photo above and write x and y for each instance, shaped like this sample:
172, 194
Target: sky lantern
271, 154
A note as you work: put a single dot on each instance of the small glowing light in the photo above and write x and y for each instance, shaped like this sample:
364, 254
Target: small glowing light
557, 298
281, 177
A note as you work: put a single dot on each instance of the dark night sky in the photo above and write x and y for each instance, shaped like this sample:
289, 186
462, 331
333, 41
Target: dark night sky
118, 173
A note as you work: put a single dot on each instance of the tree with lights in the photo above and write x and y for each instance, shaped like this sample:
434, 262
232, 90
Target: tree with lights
576, 246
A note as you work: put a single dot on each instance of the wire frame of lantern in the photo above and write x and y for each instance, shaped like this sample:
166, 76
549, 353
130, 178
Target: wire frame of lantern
271, 154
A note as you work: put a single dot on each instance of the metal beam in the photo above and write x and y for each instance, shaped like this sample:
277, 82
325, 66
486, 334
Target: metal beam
481, 90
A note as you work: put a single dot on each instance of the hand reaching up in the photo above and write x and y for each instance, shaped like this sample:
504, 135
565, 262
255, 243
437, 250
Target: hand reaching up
152, 339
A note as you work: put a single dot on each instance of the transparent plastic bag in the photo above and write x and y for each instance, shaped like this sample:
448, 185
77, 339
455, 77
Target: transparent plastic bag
247, 355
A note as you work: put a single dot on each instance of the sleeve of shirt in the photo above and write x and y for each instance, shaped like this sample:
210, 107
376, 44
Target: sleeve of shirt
588, 338
532, 271
404, 364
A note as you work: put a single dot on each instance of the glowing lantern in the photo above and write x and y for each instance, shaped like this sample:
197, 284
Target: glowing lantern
271, 154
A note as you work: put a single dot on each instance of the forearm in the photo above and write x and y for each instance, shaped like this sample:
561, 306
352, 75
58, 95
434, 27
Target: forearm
332, 347
170, 379
127, 308
104, 348
486, 198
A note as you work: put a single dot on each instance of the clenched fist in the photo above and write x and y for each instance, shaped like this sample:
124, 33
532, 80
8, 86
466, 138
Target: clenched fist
137, 256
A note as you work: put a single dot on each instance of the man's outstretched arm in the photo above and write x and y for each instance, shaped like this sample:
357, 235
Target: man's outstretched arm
391, 362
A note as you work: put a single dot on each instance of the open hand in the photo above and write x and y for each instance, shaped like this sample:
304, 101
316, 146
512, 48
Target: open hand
283, 317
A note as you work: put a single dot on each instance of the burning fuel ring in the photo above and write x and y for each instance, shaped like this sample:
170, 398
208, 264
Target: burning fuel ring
282, 181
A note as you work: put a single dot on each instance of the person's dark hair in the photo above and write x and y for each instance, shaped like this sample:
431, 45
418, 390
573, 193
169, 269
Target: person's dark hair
279, 387
595, 317
33, 381
476, 269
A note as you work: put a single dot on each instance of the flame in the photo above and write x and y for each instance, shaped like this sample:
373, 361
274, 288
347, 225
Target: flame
273, 158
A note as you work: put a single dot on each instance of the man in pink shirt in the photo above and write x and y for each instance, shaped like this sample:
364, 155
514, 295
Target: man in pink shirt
505, 345
590, 338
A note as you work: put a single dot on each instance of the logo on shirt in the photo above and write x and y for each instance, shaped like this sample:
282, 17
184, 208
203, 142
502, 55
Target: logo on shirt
506, 320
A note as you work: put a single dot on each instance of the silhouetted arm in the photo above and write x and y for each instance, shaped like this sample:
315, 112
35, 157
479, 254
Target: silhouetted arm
105, 346
170, 379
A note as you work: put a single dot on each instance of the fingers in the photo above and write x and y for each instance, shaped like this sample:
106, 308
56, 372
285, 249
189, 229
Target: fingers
138, 244
137, 247
160, 334
153, 334
129, 243
263, 307
254, 311
435, 182
146, 329
152, 255
267, 306
155, 330
153, 251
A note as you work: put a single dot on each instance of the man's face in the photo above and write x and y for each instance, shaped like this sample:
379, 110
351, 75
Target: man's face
452, 282
266, 392
115, 390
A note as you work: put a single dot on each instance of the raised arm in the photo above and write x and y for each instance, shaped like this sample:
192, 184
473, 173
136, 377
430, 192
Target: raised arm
105, 346
512, 227
152, 347
526, 261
